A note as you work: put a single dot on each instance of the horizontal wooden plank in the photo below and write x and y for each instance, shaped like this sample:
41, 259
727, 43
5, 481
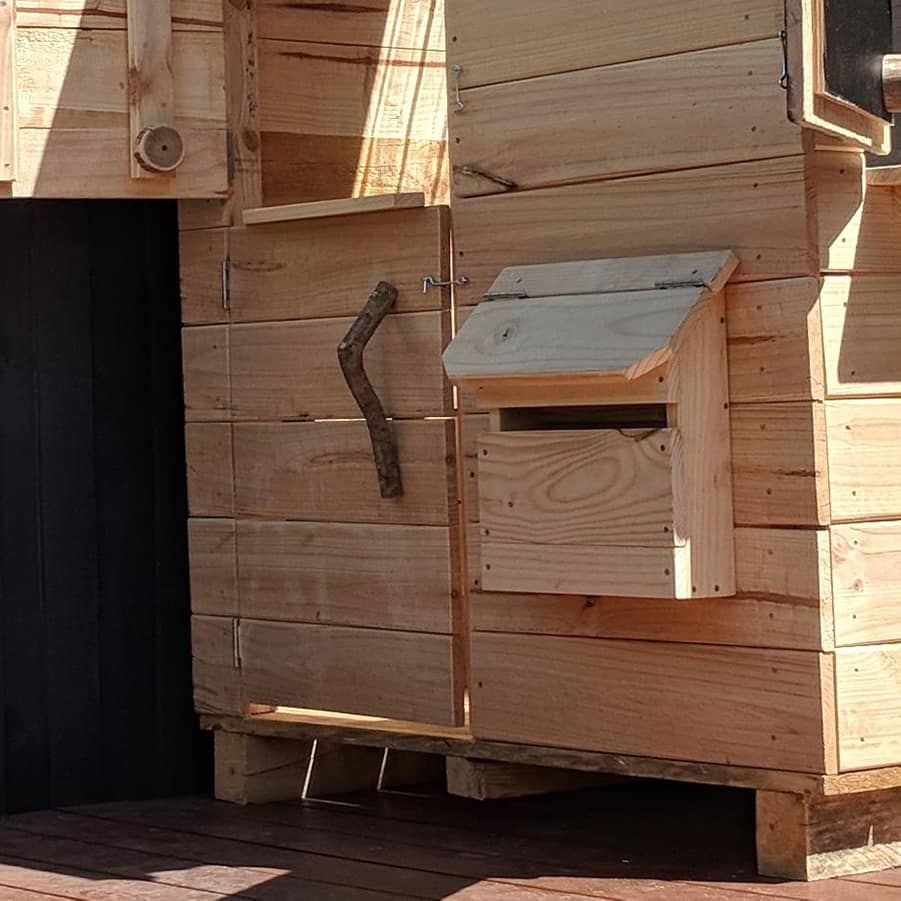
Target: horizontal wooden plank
784, 601
205, 362
864, 467
290, 371
94, 163
187, 15
352, 206
652, 572
499, 140
759, 210
666, 700
578, 488
334, 89
213, 559
866, 575
202, 254
217, 682
73, 79
557, 37
862, 334
303, 168
779, 464
380, 576
775, 341
325, 472
304, 270
211, 481
868, 691
858, 226
412, 24
402, 675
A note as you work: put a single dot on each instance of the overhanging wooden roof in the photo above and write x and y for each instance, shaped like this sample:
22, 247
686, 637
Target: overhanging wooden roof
620, 317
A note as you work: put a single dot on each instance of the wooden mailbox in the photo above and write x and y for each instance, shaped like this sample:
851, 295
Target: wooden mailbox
607, 469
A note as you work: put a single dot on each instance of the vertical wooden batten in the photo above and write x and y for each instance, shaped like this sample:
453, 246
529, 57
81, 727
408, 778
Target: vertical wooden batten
7, 91
157, 146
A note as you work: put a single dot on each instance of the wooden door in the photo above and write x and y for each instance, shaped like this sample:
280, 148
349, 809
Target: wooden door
310, 590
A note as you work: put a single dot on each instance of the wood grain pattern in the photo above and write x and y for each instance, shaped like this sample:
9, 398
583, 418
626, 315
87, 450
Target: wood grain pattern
411, 24
353, 206
205, 351
211, 481
757, 209
862, 335
578, 488
325, 472
775, 341
780, 471
214, 576
202, 253
678, 701
8, 92
572, 141
868, 688
381, 576
866, 574
402, 675
864, 474
556, 37
188, 15
217, 682
290, 371
305, 270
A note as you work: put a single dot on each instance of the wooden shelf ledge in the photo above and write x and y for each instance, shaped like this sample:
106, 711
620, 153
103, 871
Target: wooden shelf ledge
325, 208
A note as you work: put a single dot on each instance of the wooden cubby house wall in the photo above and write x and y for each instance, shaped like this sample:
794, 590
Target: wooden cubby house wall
653, 129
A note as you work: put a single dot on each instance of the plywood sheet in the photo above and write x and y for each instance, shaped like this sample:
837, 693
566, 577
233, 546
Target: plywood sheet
652, 699
374, 672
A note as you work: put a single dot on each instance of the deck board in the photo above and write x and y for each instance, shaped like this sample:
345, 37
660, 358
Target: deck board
626, 842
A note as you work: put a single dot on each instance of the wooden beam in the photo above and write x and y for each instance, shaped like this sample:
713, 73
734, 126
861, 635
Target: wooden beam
803, 838
8, 91
253, 770
157, 146
491, 780
322, 209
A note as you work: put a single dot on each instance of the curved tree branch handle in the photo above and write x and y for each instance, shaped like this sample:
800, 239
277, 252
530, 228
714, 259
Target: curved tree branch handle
350, 356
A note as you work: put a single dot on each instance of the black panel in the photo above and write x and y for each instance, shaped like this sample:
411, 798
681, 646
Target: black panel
858, 36
95, 662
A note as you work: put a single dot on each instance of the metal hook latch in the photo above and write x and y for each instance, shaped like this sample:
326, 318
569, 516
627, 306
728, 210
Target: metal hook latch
784, 78
457, 71
461, 281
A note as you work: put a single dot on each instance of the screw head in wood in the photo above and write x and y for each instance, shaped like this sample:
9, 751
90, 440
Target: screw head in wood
160, 149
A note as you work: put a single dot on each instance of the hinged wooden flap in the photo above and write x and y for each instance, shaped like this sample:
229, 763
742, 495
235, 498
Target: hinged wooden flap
619, 317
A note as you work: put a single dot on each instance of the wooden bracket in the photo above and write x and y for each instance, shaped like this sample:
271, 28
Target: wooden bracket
350, 356
157, 147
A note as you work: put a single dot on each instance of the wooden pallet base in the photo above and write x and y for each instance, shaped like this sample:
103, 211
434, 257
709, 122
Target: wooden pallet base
809, 826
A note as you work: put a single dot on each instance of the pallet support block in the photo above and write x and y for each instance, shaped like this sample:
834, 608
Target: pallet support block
492, 780
810, 838
254, 770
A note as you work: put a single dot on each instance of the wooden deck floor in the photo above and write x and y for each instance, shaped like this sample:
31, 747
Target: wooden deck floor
635, 842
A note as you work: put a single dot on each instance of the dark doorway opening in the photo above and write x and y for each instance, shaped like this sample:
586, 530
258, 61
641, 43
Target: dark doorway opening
95, 658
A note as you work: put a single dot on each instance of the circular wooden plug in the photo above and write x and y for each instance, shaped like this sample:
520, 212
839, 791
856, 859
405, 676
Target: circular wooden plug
160, 149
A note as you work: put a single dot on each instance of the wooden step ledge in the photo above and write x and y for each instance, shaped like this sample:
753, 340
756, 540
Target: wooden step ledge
324, 208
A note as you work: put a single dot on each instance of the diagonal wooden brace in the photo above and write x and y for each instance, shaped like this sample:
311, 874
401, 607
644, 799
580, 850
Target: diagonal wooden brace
350, 356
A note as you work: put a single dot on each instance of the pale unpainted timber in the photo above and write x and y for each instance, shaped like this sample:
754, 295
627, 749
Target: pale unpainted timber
891, 82
350, 356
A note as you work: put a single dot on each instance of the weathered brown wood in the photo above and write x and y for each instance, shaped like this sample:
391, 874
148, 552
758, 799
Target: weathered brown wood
350, 355
492, 780
254, 770
799, 838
